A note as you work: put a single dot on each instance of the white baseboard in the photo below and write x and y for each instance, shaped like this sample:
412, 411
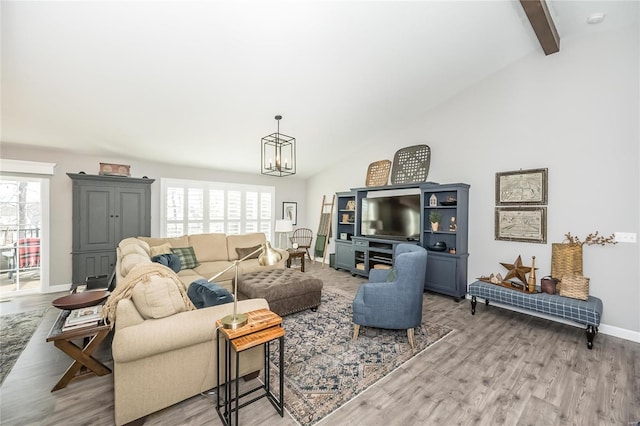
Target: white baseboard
622, 333
609, 330
58, 288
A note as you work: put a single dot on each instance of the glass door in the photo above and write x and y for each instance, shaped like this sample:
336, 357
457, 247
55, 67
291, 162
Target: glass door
20, 235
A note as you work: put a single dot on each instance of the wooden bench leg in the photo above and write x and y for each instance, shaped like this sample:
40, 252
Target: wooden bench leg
591, 333
474, 301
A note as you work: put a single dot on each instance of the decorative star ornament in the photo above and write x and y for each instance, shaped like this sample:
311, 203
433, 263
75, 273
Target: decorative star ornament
516, 270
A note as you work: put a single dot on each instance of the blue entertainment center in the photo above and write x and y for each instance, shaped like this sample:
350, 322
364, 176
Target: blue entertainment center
372, 221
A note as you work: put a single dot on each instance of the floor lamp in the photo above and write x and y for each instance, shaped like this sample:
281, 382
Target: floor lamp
268, 257
283, 226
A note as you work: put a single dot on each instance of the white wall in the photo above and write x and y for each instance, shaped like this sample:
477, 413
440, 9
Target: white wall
289, 189
575, 113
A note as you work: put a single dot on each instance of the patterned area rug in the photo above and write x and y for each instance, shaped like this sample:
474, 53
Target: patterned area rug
324, 369
15, 332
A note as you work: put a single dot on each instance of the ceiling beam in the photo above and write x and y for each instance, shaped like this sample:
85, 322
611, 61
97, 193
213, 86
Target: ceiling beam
542, 24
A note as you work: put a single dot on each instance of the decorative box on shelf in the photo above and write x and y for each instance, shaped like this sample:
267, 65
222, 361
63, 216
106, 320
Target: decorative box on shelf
110, 169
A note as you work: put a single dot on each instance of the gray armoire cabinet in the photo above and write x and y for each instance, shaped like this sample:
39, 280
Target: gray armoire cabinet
106, 209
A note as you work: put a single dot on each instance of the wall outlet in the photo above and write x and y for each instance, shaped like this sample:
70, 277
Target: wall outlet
626, 237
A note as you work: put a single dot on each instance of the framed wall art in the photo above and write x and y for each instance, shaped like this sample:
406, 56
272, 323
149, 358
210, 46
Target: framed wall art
521, 187
290, 211
525, 224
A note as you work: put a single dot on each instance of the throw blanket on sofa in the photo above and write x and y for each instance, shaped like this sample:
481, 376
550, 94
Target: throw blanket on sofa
140, 274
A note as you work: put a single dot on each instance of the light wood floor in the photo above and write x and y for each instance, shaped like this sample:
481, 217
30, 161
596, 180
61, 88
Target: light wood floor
498, 368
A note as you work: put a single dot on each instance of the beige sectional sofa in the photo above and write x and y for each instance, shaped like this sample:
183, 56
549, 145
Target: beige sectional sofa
159, 360
214, 252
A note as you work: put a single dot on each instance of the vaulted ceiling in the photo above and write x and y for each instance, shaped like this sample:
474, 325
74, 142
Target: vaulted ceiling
199, 83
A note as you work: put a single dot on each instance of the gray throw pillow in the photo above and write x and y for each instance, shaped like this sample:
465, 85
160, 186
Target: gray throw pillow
242, 252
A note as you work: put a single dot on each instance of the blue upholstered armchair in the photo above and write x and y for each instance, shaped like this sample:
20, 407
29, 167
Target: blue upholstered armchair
396, 304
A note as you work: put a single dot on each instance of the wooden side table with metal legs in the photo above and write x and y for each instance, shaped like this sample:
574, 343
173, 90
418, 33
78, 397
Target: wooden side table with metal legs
262, 328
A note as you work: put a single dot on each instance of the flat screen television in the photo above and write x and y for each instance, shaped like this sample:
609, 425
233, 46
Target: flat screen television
395, 217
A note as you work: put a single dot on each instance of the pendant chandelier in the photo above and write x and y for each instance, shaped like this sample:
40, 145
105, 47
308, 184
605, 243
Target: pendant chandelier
278, 153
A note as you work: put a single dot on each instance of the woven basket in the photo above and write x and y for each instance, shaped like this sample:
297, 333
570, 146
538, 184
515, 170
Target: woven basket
378, 173
575, 286
566, 259
411, 164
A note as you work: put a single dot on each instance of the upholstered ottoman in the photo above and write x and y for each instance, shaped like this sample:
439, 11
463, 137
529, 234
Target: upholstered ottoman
286, 290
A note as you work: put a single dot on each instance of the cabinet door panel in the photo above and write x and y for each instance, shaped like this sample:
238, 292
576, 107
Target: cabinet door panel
90, 264
130, 214
441, 274
344, 256
96, 223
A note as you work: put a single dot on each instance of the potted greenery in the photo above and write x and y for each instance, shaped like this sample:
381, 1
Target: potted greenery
435, 217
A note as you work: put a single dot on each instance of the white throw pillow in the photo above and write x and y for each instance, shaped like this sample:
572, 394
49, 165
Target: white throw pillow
157, 297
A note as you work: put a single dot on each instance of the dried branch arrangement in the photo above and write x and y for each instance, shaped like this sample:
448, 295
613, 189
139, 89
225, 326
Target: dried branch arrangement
592, 239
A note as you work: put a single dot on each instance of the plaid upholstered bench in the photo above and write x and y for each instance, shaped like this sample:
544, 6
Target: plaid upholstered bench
586, 312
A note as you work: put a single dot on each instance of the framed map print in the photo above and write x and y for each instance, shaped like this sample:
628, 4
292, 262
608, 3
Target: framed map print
521, 187
526, 224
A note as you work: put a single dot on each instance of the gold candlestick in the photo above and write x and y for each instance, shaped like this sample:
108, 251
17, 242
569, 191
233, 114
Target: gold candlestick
532, 275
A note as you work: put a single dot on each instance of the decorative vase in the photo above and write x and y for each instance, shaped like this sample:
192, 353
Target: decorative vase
434, 226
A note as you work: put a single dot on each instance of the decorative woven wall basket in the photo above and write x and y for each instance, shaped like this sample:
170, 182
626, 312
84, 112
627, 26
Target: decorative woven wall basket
566, 259
575, 286
378, 173
411, 164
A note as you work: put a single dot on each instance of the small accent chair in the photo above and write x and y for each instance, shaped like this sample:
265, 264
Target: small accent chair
395, 304
303, 236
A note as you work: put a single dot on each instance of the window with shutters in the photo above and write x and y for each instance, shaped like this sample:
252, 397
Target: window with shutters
197, 207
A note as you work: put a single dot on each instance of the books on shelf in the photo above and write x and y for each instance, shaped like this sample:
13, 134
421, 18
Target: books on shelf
83, 317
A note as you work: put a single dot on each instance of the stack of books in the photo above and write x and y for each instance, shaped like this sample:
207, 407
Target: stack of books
84, 317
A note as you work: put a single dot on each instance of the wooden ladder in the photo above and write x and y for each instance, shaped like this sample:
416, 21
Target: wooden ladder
324, 228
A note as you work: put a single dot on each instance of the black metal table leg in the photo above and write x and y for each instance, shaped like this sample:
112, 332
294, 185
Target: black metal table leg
281, 410
218, 372
227, 382
237, 387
